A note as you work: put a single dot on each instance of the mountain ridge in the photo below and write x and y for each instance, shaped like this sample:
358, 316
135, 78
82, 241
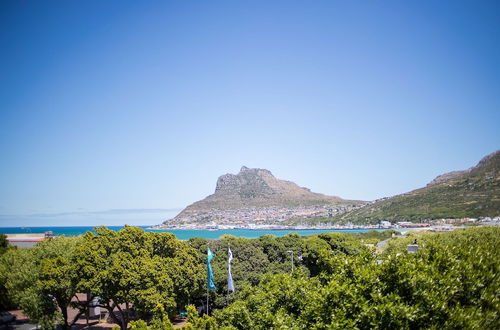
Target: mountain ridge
474, 192
255, 196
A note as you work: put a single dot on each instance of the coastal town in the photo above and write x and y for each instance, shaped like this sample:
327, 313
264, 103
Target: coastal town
255, 216
279, 219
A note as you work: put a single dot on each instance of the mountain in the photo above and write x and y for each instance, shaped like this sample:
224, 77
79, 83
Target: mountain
255, 187
255, 195
471, 193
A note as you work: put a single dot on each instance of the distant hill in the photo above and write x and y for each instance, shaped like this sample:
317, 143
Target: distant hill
253, 189
470, 193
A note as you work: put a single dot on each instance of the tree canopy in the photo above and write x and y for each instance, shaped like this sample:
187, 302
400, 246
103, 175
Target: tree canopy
338, 281
451, 282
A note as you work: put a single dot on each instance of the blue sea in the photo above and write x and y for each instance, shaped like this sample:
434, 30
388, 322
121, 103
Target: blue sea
180, 234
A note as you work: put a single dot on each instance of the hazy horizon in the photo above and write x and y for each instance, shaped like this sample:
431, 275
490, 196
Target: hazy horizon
134, 217
126, 105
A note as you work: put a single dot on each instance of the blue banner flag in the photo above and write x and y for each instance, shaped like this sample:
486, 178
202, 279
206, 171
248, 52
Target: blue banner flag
210, 274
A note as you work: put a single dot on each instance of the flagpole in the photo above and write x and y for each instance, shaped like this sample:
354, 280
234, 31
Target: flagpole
228, 247
208, 280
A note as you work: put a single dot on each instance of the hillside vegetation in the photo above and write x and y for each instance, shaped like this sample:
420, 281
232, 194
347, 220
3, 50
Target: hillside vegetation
464, 194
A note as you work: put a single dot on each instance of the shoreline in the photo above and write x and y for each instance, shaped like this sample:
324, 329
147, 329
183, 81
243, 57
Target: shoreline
271, 228
183, 233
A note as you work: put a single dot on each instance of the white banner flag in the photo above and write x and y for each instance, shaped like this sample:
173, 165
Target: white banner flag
230, 284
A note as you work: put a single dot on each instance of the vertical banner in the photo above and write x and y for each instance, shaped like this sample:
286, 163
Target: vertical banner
230, 284
210, 274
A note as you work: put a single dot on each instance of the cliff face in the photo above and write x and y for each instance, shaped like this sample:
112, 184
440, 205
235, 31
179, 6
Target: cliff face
248, 184
255, 188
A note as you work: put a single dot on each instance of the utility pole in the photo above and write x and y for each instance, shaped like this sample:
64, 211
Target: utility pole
208, 279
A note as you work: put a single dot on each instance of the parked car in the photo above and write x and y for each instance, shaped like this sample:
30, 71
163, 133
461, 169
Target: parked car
6, 318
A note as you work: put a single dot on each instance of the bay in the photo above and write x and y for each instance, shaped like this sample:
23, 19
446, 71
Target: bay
181, 234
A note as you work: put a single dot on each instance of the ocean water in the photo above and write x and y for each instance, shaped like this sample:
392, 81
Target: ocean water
180, 234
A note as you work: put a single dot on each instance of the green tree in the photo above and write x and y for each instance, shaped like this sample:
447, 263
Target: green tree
57, 276
5, 301
4, 244
204, 322
156, 324
151, 273
19, 269
184, 266
40, 280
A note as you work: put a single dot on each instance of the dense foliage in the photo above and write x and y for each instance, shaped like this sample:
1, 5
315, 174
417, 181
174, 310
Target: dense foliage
4, 244
147, 275
453, 281
5, 302
471, 194
152, 272
39, 280
253, 258
339, 281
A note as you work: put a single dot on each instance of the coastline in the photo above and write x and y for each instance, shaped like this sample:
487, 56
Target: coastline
14, 234
278, 227
38, 233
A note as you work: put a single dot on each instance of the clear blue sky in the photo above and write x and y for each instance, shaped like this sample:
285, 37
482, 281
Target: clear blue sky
117, 112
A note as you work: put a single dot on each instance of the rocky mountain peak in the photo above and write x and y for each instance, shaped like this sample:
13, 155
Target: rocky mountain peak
247, 170
249, 181
258, 188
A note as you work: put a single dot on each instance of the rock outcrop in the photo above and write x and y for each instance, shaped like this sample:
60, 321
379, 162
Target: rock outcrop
254, 194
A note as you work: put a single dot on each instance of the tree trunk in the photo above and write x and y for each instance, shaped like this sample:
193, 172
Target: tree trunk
64, 312
124, 315
112, 314
63, 306
76, 319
